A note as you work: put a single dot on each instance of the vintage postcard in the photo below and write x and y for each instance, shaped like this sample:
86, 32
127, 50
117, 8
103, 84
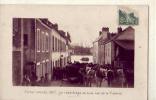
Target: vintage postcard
75, 52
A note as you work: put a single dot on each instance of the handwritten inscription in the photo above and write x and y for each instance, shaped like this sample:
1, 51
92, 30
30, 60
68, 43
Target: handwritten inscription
73, 93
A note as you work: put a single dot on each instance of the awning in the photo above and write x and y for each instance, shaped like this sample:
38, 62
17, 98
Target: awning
128, 45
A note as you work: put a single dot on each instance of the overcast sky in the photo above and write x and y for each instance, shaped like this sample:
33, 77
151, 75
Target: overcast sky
83, 22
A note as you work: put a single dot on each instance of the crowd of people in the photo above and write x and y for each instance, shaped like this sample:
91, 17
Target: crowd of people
32, 80
88, 74
95, 74
84, 75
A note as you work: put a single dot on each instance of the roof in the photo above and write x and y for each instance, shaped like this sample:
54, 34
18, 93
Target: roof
108, 40
55, 27
126, 35
97, 39
128, 45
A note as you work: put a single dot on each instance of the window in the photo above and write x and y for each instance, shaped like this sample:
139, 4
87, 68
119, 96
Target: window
58, 45
46, 67
53, 64
25, 39
106, 51
53, 44
64, 47
47, 42
43, 69
38, 71
38, 40
43, 41
61, 46
56, 63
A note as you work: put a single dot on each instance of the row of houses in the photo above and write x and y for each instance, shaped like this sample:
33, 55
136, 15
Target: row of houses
115, 49
38, 46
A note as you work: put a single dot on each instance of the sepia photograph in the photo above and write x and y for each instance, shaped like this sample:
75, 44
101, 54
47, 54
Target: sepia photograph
75, 51
77, 46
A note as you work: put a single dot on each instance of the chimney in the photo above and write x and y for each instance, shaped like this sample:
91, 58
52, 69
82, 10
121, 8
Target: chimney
119, 30
106, 29
100, 33
56, 26
108, 35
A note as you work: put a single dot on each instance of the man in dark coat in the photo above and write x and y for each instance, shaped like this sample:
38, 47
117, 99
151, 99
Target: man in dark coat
110, 77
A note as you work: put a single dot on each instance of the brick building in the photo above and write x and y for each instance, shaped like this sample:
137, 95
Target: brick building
38, 46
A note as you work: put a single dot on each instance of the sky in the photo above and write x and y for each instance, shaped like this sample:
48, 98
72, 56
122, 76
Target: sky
83, 22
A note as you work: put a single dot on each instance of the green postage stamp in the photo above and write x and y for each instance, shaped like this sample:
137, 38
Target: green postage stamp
127, 18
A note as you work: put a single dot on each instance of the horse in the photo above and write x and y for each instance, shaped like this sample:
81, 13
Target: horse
100, 74
90, 75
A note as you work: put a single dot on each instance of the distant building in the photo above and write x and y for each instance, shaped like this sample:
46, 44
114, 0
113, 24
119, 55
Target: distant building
68, 48
81, 50
38, 46
95, 52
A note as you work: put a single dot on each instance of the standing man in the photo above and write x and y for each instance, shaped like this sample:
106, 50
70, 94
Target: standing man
99, 76
110, 76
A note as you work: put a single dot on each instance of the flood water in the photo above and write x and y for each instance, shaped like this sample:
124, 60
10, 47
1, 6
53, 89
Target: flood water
79, 57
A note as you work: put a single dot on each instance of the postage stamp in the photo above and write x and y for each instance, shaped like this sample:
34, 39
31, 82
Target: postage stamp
128, 18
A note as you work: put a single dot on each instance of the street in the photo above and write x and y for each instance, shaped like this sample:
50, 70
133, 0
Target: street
65, 83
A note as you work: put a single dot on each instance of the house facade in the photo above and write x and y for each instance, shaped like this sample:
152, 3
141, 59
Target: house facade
115, 49
38, 47
125, 44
